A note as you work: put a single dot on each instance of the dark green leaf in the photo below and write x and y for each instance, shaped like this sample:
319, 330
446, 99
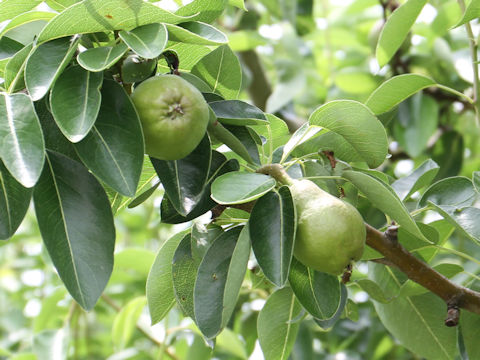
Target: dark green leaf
75, 101
14, 202
77, 227
456, 191
469, 323
327, 324
22, 147
148, 41
236, 112
46, 63
8, 47
272, 230
113, 150
101, 58
184, 180
448, 151
195, 32
140, 199
15, 70
219, 132
247, 137
421, 177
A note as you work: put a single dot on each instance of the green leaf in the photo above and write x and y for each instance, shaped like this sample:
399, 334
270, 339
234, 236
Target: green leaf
327, 324
319, 293
51, 344
22, 147
26, 18
113, 150
75, 101
449, 151
203, 10
467, 219
136, 261
8, 48
292, 82
14, 202
476, 180
221, 70
195, 32
396, 89
396, 29
469, 323
471, 12
300, 136
77, 227
431, 338
144, 196
249, 139
277, 329
147, 41
272, 230
101, 58
184, 180
240, 187
236, 112
52, 312
125, 322
160, 294
238, 3
356, 124
456, 191
11, 8
384, 198
105, 15
373, 290
222, 134
15, 70
219, 278
421, 177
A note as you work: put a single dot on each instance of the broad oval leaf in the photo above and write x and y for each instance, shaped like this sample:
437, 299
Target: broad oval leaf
184, 180
396, 89
148, 41
76, 224
22, 146
384, 198
327, 324
101, 58
396, 29
272, 230
125, 322
457, 191
26, 18
14, 202
356, 124
466, 219
105, 15
15, 69
240, 187
221, 70
195, 32
421, 177
46, 63
236, 112
75, 101
113, 150
319, 293
276, 325
160, 294
12, 8
219, 278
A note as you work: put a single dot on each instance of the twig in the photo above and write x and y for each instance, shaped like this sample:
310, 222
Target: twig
109, 301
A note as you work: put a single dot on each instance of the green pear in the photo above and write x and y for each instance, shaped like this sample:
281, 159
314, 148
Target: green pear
330, 232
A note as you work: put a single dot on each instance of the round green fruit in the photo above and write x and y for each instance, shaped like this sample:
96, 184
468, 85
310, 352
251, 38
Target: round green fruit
330, 232
174, 116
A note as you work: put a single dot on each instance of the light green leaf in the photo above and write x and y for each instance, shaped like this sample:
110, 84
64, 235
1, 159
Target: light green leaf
238, 3
101, 58
421, 177
147, 41
26, 18
240, 187
457, 191
203, 10
15, 70
469, 323
396, 29
471, 12
356, 124
51, 344
221, 70
126, 320
105, 15
22, 147
277, 329
11, 8
303, 134
194, 32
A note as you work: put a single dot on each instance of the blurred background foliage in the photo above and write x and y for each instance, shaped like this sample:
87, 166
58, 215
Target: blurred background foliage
296, 55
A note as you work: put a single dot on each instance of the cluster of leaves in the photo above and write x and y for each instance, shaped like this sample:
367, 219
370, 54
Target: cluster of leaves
72, 140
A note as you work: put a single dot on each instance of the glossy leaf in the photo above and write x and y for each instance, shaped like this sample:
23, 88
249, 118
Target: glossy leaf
147, 41
396, 29
22, 147
144, 196
236, 112
466, 220
77, 227
356, 124
272, 231
160, 294
221, 70
184, 180
46, 63
14, 202
15, 70
303, 134
222, 134
421, 177
276, 327
327, 324
456, 191
25, 18
203, 10
384, 198
396, 89
319, 293
249, 139
113, 150
8, 48
219, 278
75, 102
105, 15
195, 32
241, 187
126, 320
101, 58
12, 8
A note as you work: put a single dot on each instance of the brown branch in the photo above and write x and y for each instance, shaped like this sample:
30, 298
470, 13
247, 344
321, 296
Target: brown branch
454, 295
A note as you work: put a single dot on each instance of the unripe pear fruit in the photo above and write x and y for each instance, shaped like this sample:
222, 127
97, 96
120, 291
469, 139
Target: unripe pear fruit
330, 232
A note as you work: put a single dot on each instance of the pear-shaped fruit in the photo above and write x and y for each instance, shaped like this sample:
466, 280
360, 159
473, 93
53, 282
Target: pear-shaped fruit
330, 232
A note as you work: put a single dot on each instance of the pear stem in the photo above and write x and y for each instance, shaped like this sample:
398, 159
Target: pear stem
278, 172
